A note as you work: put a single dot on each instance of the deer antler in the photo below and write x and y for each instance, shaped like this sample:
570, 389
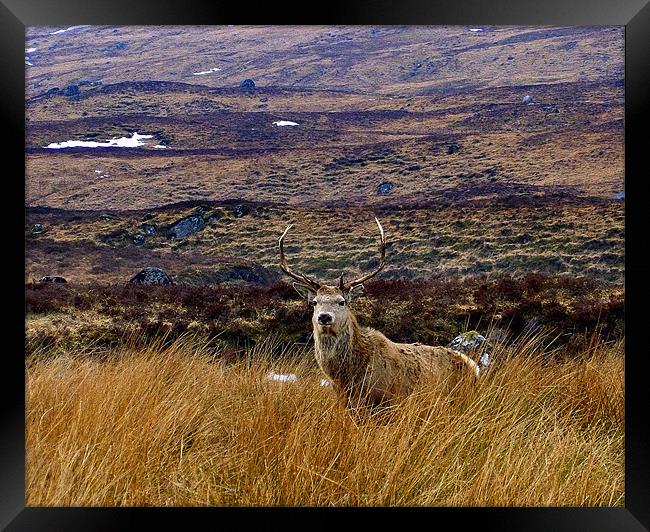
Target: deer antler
285, 266
382, 262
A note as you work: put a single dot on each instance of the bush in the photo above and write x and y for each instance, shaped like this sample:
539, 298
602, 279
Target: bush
431, 311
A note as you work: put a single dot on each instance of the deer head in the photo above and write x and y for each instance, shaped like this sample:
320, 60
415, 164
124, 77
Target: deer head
330, 302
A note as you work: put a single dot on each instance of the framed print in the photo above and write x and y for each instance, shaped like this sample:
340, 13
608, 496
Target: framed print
372, 264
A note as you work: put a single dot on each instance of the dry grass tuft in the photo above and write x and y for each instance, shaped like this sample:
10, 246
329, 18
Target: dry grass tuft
175, 426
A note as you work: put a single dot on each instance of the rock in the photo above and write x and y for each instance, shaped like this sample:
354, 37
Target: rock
108, 217
52, 279
200, 210
618, 196
113, 49
37, 229
151, 276
385, 188
452, 148
569, 45
241, 210
474, 345
247, 85
237, 273
527, 99
138, 240
71, 90
149, 229
256, 274
186, 226
147, 216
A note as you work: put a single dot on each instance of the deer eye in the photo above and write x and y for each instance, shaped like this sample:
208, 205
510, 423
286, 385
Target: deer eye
342, 303
313, 302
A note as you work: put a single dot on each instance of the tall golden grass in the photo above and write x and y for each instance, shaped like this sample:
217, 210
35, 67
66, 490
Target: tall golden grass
176, 426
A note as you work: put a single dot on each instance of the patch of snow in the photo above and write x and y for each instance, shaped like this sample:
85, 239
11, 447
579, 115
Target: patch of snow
203, 72
285, 123
116, 142
281, 377
98, 171
68, 29
161, 147
28, 63
324, 382
30, 50
475, 30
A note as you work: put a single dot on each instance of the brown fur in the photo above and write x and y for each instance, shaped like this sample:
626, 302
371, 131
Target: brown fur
366, 367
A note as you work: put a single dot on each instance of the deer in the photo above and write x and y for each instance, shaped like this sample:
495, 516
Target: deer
362, 364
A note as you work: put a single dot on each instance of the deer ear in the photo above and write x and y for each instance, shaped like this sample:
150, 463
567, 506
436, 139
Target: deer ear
305, 291
355, 292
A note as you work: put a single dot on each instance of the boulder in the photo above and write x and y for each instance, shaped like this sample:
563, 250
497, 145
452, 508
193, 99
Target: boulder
149, 229
71, 90
55, 279
241, 210
385, 188
37, 229
186, 226
138, 240
452, 148
247, 85
527, 99
151, 276
474, 345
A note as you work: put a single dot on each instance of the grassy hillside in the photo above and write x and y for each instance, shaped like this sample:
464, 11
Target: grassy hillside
465, 176
360, 58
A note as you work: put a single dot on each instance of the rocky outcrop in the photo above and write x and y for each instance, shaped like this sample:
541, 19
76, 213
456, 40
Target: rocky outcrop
151, 276
241, 210
385, 188
254, 274
186, 226
55, 279
37, 229
247, 85
474, 345
71, 90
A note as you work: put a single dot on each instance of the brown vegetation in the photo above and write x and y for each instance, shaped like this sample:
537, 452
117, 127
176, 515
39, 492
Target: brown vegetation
174, 426
70, 317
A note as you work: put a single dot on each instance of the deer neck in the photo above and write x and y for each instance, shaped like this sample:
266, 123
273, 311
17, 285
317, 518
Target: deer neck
338, 355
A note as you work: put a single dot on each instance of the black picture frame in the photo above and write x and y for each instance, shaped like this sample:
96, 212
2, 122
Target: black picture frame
15, 15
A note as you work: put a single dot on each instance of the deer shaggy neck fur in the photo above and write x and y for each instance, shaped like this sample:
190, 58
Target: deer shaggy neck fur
366, 367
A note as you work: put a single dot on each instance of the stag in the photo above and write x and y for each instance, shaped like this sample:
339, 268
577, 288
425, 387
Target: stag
363, 365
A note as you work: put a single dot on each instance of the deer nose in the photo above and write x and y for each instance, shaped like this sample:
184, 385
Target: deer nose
325, 319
